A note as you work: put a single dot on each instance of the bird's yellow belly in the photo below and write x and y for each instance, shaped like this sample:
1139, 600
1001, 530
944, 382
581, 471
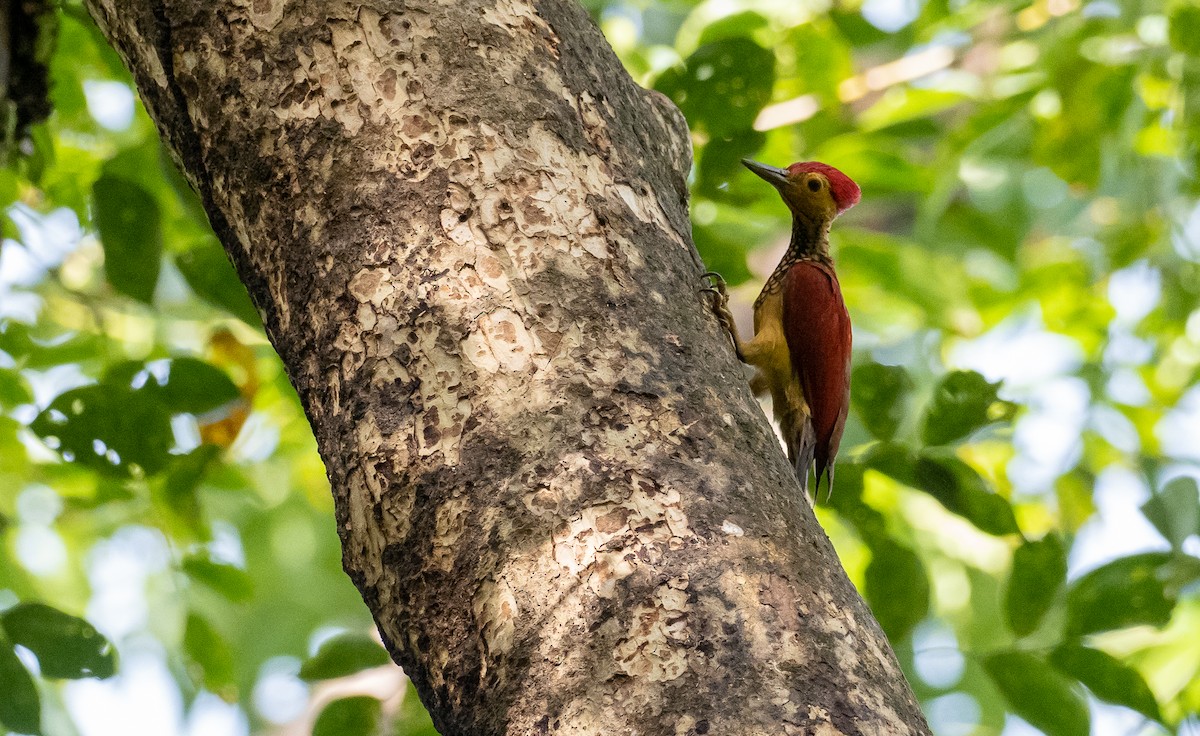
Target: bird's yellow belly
768, 352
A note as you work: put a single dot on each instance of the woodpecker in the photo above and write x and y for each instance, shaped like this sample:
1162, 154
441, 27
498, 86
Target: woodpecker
801, 344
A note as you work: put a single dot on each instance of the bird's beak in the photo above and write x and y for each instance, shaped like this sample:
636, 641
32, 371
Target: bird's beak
773, 174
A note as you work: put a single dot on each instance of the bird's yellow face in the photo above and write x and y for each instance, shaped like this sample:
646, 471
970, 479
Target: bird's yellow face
810, 189
808, 193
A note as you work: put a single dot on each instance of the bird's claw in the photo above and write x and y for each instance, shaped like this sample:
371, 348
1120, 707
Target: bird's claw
715, 285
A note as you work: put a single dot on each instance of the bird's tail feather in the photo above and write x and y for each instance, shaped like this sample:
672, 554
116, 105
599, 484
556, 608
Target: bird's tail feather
802, 446
824, 467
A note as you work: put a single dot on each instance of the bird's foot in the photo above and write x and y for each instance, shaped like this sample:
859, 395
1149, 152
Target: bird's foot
714, 284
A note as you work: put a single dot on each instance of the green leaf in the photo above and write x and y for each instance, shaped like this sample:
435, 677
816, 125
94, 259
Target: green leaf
721, 161
1039, 694
81, 53
1039, 570
20, 706
66, 646
210, 652
188, 197
189, 386
893, 459
344, 655
962, 403
208, 271
9, 188
37, 348
231, 582
870, 524
42, 158
14, 460
823, 56
195, 387
963, 491
413, 719
857, 30
1095, 98
130, 227
725, 258
722, 86
181, 483
1175, 510
1180, 573
897, 588
108, 428
734, 25
14, 390
358, 716
140, 165
1125, 592
126, 374
897, 107
1185, 28
879, 396
1107, 677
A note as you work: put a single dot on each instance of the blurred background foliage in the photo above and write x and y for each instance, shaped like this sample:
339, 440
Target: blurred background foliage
1016, 496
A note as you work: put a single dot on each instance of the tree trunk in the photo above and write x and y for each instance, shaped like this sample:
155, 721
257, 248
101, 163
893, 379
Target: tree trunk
466, 228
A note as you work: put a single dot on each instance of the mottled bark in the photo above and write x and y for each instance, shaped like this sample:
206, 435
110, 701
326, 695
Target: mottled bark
466, 229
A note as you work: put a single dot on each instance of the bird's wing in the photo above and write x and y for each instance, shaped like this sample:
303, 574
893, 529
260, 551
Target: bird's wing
817, 328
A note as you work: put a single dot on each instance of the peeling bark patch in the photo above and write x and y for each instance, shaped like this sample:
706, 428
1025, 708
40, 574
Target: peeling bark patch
606, 543
495, 608
266, 14
451, 524
653, 647
501, 342
371, 285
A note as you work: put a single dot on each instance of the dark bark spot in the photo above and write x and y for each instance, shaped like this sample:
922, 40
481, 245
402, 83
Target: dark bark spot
393, 555
387, 83
431, 430
613, 520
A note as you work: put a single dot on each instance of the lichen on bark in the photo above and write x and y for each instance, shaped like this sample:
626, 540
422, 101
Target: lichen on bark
466, 229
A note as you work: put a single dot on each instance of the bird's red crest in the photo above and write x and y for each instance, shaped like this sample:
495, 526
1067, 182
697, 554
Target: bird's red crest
845, 192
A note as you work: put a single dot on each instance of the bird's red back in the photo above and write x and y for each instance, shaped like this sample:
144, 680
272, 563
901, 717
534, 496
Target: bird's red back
817, 328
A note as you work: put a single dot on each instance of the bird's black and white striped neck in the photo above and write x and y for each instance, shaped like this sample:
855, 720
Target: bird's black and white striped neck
810, 242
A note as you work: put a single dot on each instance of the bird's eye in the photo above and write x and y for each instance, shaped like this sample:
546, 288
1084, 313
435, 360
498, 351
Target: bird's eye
814, 185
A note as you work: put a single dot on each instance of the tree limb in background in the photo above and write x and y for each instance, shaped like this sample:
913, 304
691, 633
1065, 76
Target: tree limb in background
26, 40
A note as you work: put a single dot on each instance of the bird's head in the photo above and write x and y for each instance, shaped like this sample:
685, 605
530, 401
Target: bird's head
810, 188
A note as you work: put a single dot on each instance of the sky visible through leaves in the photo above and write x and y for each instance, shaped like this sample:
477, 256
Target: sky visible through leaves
1016, 494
